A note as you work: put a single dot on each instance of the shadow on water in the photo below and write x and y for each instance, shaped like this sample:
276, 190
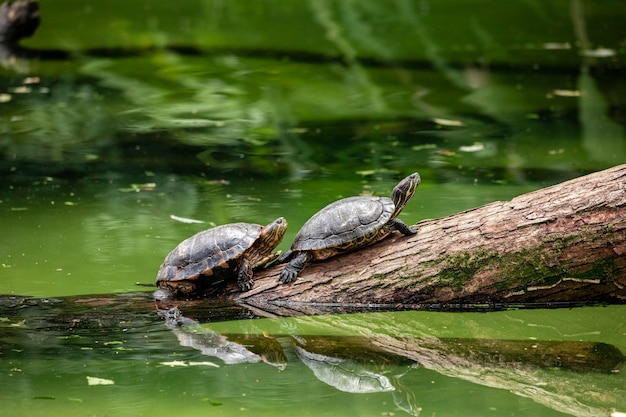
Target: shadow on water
81, 350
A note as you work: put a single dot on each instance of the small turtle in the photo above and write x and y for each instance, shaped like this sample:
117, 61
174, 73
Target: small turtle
348, 224
217, 254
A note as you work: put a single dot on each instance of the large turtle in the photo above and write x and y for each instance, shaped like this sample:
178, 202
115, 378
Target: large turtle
348, 224
217, 254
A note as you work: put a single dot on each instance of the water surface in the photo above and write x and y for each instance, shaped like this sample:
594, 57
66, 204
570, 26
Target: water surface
119, 121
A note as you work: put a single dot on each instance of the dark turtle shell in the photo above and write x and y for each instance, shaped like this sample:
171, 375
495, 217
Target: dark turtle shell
207, 250
216, 254
350, 222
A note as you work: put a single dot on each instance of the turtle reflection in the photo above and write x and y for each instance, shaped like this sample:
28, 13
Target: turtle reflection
231, 349
351, 364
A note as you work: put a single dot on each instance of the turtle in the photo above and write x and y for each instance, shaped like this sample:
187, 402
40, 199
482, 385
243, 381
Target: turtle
218, 254
348, 224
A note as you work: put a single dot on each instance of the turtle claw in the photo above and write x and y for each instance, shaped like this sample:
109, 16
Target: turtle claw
288, 275
246, 285
293, 268
245, 281
244, 278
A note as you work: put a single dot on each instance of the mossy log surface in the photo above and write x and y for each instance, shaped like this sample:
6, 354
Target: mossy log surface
561, 244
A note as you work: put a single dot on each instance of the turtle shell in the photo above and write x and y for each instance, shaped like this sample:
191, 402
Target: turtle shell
343, 225
211, 253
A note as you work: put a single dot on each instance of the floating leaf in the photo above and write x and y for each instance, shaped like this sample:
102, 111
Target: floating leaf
92, 380
205, 363
424, 147
210, 401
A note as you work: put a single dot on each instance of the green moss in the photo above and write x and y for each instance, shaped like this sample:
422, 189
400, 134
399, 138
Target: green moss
527, 268
603, 270
462, 266
519, 270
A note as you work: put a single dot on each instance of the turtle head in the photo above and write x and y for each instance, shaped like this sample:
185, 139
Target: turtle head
273, 233
403, 192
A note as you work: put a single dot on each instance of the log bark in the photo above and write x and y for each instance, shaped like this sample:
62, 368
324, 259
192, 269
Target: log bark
562, 244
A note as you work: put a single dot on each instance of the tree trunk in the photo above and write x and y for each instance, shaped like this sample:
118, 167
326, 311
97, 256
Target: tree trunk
561, 244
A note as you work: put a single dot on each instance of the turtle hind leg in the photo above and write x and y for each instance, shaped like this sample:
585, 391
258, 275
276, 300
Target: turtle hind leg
293, 268
399, 225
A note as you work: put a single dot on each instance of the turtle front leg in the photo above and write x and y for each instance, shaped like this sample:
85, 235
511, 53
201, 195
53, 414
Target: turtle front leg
399, 225
266, 260
244, 278
293, 268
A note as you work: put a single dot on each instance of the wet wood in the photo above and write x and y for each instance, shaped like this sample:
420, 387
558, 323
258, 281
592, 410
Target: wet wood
561, 244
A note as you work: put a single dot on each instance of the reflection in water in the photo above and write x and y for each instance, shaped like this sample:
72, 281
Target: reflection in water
192, 334
364, 364
555, 374
350, 365
357, 371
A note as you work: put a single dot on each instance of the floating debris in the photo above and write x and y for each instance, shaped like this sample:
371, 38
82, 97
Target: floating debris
204, 363
148, 186
20, 90
598, 53
174, 363
566, 93
447, 122
184, 219
557, 45
475, 147
184, 364
210, 401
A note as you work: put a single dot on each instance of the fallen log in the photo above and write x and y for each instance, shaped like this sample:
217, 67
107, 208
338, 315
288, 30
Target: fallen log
562, 244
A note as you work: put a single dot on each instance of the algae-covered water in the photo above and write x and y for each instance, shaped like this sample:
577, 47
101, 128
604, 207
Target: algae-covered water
120, 122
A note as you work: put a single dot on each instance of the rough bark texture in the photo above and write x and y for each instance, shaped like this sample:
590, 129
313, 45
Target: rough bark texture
565, 243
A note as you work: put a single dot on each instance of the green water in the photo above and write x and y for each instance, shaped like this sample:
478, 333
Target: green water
142, 369
125, 114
